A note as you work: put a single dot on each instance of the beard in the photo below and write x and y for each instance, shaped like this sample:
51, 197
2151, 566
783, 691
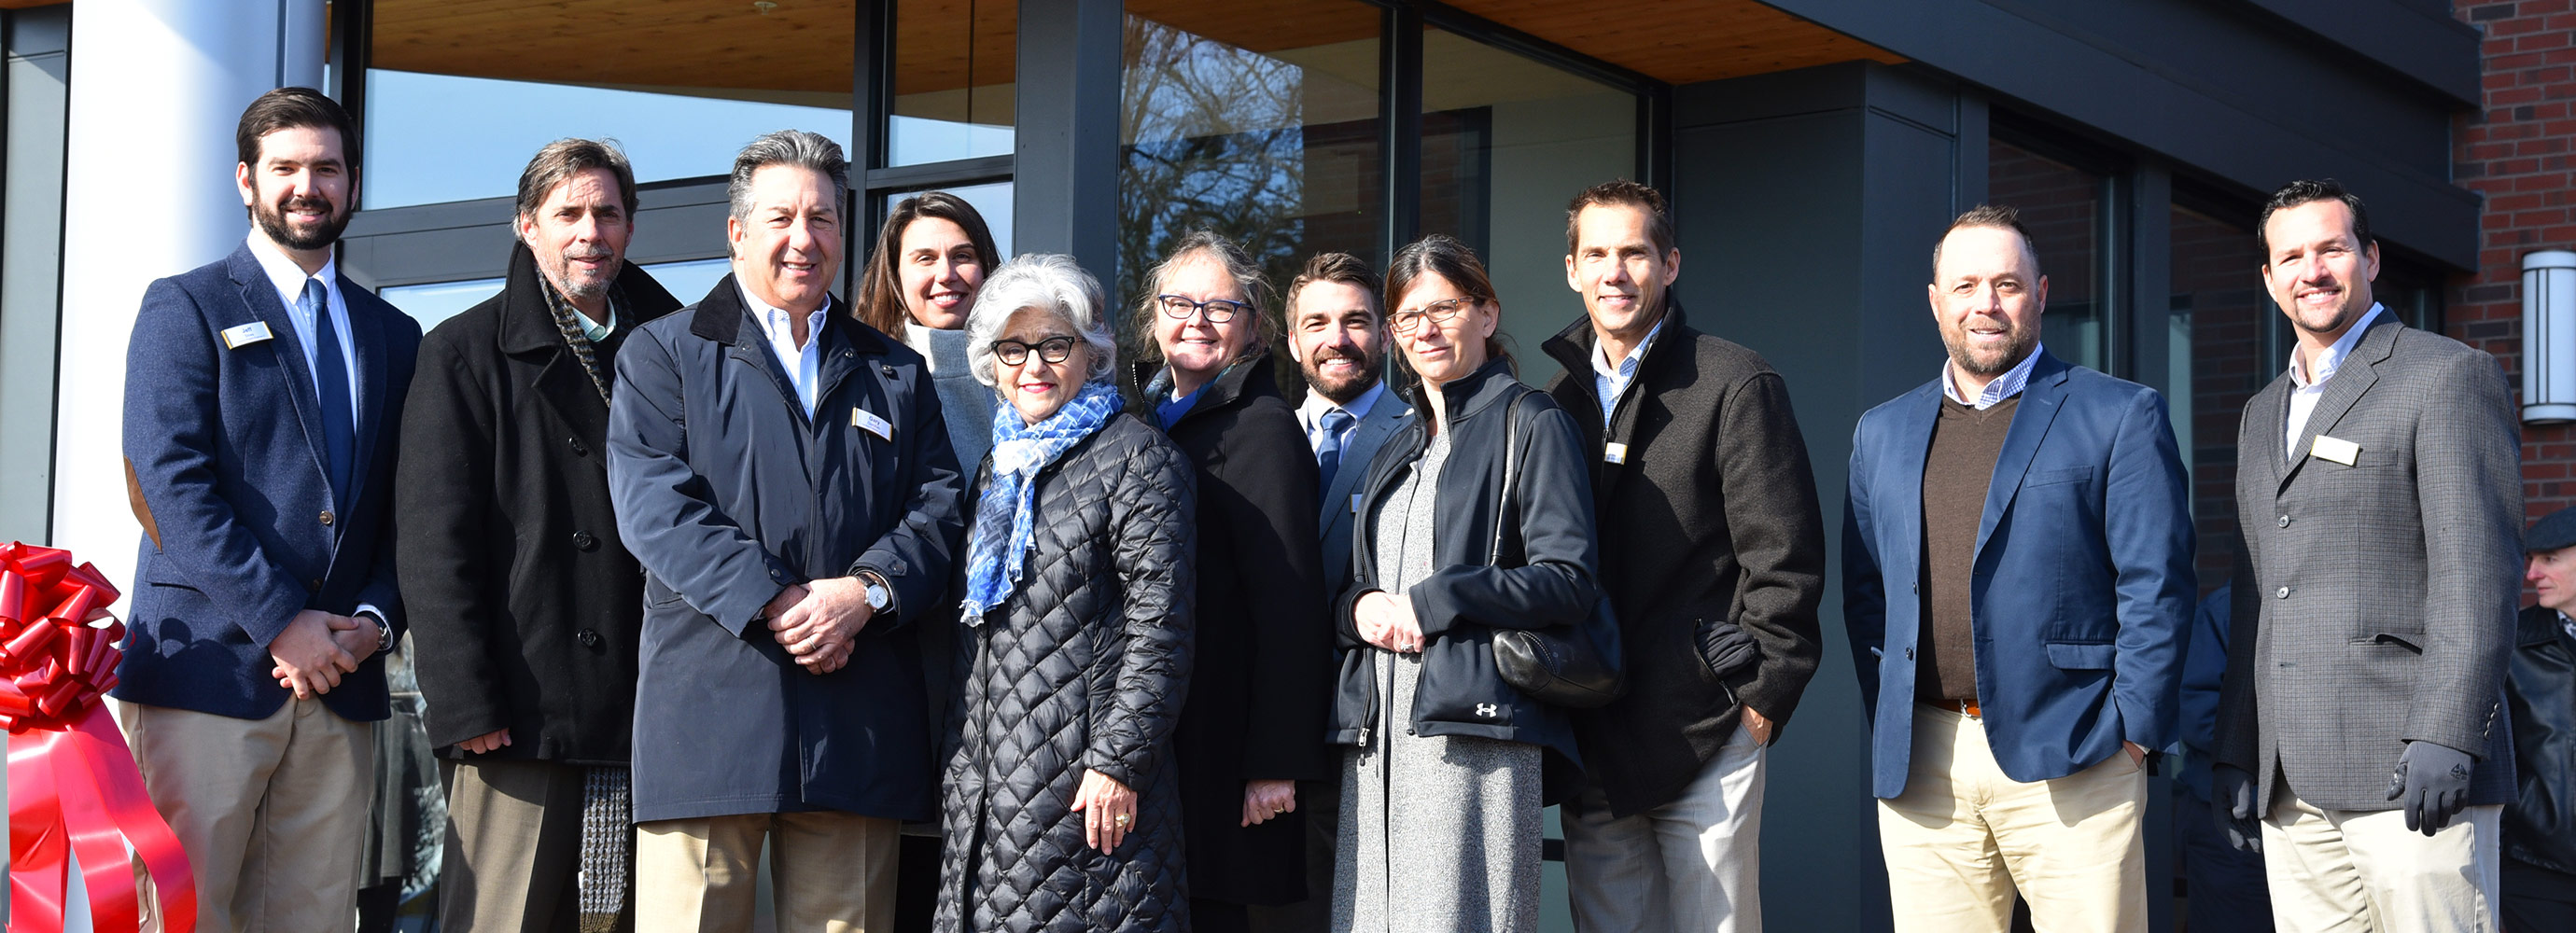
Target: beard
2007, 357
558, 271
1344, 390
273, 223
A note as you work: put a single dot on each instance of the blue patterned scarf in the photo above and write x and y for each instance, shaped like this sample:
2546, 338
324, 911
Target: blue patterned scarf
1005, 519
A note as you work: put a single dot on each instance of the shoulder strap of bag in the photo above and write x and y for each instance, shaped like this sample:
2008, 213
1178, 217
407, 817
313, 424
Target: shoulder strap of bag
1503, 514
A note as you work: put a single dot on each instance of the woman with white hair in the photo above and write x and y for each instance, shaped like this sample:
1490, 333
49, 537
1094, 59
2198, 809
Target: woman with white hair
1062, 808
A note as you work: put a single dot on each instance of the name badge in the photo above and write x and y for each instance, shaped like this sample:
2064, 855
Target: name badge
1615, 453
236, 338
868, 421
2336, 449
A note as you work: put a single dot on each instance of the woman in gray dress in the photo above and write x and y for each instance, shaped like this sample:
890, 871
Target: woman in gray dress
1441, 782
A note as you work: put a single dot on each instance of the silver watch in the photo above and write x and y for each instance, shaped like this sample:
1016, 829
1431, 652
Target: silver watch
384, 632
878, 596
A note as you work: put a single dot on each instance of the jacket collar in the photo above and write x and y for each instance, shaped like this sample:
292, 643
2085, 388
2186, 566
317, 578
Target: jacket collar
1479, 390
722, 317
1573, 346
1242, 379
528, 326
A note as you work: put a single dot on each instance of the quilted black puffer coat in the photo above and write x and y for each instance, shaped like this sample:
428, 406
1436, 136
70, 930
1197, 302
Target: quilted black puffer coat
1084, 667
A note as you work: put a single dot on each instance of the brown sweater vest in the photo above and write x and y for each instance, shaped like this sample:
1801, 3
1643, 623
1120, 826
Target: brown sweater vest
1956, 474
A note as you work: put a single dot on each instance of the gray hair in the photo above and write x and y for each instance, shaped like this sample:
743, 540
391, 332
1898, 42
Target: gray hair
1048, 282
787, 147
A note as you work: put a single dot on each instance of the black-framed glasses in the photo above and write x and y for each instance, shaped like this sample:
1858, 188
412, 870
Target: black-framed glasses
1219, 310
1052, 350
1440, 312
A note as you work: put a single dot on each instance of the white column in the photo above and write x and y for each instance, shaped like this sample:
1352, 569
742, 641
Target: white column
157, 87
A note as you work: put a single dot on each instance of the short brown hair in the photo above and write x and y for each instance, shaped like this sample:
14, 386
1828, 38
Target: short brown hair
2306, 191
1998, 216
561, 160
1622, 193
1335, 267
290, 108
880, 303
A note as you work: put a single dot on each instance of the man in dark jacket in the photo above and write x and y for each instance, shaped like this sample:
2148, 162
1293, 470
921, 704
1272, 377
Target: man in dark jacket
2539, 876
530, 606
784, 476
1713, 554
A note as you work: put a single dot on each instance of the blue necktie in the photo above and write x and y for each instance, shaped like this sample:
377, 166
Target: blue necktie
1328, 455
331, 390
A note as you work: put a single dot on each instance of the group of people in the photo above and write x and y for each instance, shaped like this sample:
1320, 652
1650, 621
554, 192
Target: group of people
1157, 645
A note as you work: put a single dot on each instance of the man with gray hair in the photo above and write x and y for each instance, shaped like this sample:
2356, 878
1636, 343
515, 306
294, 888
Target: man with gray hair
784, 475
531, 606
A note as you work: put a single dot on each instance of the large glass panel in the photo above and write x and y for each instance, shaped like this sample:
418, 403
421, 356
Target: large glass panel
2218, 358
2061, 205
461, 94
954, 95
434, 302
1506, 141
1258, 123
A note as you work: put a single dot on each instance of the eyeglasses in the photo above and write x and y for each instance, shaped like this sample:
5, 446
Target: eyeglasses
1052, 350
1219, 310
1440, 312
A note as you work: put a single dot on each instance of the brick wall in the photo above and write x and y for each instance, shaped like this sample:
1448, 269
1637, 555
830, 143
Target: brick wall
2516, 151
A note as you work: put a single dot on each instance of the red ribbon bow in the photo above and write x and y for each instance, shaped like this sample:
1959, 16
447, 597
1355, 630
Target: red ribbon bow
73, 787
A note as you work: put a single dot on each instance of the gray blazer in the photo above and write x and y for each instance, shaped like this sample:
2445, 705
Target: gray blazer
1333, 514
2385, 588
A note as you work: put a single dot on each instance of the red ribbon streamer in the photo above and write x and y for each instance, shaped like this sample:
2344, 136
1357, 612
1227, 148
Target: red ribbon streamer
74, 791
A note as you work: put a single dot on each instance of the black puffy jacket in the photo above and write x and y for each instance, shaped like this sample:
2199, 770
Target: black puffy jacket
1461, 604
2540, 825
1083, 668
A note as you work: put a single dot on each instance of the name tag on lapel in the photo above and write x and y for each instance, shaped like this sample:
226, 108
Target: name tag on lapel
868, 421
2336, 449
1615, 453
236, 338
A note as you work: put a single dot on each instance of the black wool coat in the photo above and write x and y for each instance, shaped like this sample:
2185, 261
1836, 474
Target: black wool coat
1084, 667
1712, 516
1262, 682
526, 606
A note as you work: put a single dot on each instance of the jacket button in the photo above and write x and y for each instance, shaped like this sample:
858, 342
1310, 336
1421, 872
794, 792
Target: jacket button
2282, 593
589, 638
585, 540
1909, 654
887, 370
313, 585
2285, 521
327, 517
578, 448
777, 576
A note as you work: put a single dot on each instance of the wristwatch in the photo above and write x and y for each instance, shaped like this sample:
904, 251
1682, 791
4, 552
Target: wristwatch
384, 631
878, 596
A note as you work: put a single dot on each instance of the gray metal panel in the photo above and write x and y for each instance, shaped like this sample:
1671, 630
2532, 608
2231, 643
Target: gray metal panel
471, 239
37, 89
1065, 199
2415, 38
2195, 83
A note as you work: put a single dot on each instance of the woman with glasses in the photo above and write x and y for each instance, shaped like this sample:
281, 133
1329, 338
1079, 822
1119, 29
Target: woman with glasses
1254, 725
1062, 805
1440, 786
931, 257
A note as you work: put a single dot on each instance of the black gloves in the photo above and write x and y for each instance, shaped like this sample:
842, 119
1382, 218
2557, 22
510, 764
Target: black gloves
2432, 780
2231, 799
1725, 647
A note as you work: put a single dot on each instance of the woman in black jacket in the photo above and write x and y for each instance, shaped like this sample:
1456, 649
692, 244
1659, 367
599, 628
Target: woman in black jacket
1254, 725
1062, 809
1440, 822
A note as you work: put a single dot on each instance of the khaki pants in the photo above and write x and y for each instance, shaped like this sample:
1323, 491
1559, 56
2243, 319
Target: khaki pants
2363, 871
1694, 863
1963, 838
513, 849
829, 871
272, 812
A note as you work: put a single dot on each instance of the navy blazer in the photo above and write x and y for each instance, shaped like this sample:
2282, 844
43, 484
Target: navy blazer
224, 459
2083, 584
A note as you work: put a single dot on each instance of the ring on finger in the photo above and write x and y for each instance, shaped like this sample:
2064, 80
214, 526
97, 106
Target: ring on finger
1124, 819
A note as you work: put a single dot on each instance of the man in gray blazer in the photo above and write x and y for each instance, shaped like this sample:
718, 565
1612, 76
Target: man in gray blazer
2379, 498
1337, 335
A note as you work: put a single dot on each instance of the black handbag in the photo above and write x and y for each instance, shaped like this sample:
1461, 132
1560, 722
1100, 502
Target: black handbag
1578, 667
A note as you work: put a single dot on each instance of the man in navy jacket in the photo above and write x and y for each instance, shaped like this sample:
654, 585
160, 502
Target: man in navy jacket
263, 398
2017, 577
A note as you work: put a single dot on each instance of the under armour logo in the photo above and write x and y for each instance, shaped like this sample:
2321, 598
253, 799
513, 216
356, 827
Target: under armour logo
1488, 710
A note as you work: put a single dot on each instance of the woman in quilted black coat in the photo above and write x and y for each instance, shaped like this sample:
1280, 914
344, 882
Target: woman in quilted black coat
1062, 809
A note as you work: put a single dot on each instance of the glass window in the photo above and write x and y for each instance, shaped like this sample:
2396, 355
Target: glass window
2217, 358
437, 301
2061, 205
690, 279
992, 199
461, 95
1505, 142
1258, 123
954, 96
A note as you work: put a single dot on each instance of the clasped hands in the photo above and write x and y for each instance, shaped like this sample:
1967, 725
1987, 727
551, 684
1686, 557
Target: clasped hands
1387, 621
317, 647
819, 622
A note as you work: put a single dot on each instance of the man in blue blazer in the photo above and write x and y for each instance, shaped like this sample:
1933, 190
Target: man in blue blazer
263, 396
2017, 579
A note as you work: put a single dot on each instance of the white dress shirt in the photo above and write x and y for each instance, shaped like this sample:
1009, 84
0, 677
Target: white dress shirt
288, 278
804, 365
1609, 382
2305, 391
2002, 387
1310, 414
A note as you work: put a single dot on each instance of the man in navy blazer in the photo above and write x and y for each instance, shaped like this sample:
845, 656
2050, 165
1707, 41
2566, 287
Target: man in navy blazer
2017, 579
262, 399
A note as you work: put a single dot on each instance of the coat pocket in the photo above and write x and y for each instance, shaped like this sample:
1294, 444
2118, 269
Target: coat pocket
2082, 657
2067, 475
